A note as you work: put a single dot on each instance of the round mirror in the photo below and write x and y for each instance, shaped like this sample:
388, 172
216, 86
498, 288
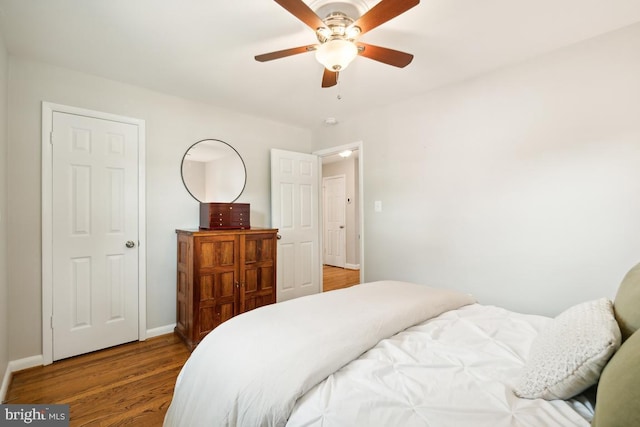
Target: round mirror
213, 171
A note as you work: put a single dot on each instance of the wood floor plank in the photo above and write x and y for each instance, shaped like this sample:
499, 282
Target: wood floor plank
131, 384
95, 376
338, 278
133, 400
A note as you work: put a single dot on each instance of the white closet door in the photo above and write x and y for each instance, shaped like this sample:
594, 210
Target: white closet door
95, 233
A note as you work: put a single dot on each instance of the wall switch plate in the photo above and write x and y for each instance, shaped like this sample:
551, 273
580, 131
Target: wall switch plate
377, 206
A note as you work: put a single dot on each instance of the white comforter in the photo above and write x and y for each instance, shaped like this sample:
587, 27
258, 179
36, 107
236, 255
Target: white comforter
456, 370
251, 369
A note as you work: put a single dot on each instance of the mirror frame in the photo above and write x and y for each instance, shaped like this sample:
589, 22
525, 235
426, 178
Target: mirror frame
244, 166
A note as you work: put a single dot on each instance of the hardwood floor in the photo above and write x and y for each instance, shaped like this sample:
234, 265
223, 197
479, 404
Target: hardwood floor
337, 278
131, 384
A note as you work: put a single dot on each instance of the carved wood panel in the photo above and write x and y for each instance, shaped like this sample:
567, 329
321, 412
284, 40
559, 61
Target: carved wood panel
259, 257
220, 275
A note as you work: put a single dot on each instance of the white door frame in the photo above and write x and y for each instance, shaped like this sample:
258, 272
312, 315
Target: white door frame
335, 150
48, 109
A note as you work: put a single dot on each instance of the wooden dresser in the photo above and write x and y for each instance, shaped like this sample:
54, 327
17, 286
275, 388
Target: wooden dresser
222, 273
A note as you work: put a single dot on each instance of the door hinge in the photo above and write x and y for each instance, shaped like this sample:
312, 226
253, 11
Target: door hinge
51, 321
51, 137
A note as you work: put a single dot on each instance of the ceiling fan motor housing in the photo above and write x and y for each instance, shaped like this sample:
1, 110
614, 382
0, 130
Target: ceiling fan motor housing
352, 8
338, 26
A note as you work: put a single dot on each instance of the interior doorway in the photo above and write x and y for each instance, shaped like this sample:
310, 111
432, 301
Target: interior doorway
347, 161
334, 222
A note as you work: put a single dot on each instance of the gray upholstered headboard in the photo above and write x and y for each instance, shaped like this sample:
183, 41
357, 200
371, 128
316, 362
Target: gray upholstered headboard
627, 303
619, 387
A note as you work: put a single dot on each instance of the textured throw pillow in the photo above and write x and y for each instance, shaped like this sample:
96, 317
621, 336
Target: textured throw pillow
569, 354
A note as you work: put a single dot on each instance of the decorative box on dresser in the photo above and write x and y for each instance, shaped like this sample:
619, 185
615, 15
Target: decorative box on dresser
222, 273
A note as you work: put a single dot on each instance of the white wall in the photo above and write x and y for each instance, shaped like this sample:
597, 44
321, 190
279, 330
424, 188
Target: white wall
193, 174
521, 186
172, 125
4, 306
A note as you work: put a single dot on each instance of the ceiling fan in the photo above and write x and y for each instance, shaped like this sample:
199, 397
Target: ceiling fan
338, 35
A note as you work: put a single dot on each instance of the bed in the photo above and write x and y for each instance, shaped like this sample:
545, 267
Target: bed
393, 353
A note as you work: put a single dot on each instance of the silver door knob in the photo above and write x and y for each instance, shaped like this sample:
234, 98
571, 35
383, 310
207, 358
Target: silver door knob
130, 244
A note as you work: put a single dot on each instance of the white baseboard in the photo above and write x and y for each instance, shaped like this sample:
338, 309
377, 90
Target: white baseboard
352, 266
15, 366
26, 363
162, 330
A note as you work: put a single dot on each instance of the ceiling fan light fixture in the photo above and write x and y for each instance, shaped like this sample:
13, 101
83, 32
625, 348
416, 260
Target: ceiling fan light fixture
324, 33
336, 54
351, 32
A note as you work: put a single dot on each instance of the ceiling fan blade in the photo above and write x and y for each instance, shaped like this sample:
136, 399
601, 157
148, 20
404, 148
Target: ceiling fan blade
383, 12
303, 12
385, 55
329, 78
284, 53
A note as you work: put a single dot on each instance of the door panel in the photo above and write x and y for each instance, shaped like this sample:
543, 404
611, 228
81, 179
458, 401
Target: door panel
294, 212
94, 214
184, 297
116, 286
257, 287
215, 286
334, 220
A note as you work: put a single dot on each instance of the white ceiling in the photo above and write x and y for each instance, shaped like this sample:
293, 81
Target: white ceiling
204, 49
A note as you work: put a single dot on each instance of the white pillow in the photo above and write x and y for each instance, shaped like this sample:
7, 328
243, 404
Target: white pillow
569, 354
